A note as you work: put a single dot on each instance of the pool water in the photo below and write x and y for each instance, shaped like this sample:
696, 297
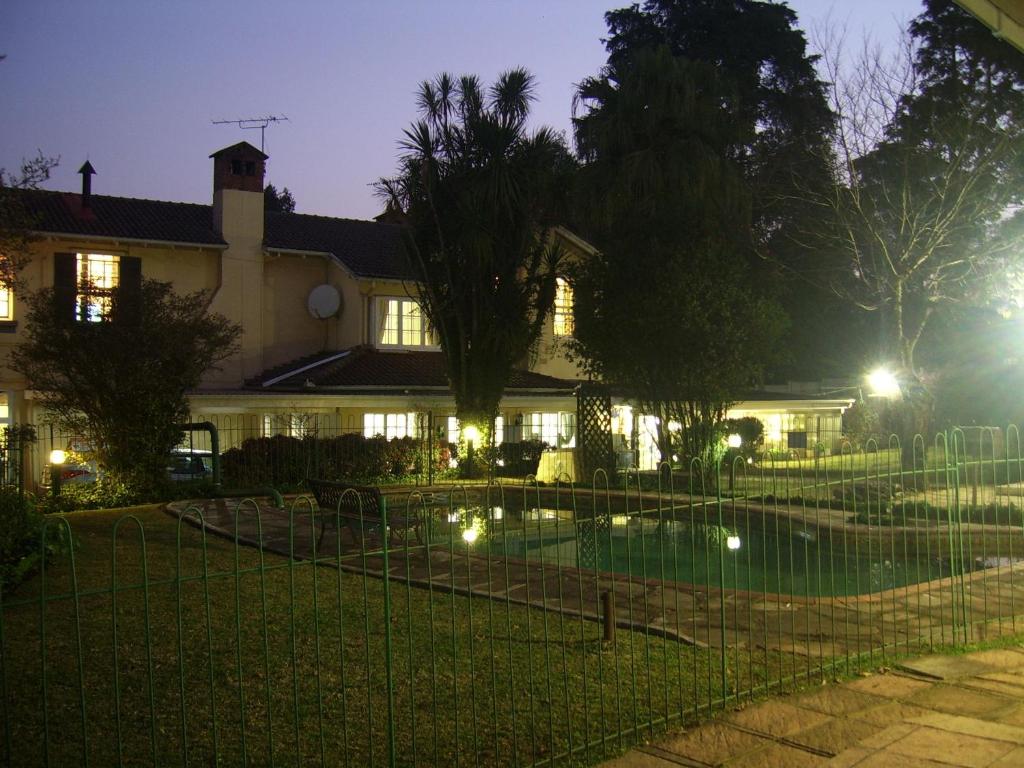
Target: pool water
782, 562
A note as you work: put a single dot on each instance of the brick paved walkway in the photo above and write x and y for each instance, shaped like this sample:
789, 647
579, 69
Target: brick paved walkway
965, 710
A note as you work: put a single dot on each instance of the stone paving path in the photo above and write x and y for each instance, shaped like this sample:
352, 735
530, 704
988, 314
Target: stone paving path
964, 710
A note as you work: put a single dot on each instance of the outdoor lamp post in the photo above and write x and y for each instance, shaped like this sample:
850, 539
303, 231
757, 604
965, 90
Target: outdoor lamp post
57, 457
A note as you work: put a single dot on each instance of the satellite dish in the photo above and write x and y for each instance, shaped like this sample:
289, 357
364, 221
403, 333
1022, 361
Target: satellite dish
324, 301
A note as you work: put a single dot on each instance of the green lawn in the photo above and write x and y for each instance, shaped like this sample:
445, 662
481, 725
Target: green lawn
287, 664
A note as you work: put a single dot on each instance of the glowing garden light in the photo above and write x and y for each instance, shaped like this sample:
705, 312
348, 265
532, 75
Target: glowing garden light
734, 441
883, 383
733, 542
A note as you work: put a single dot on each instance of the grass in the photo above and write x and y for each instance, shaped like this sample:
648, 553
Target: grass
286, 665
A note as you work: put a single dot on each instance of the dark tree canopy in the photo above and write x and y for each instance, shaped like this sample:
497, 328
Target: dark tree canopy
479, 195
665, 313
280, 202
122, 382
778, 105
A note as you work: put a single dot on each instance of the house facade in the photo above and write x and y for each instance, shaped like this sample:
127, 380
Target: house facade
333, 340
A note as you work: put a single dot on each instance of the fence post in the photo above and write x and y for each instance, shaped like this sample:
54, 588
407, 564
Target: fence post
389, 681
608, 614
430, 448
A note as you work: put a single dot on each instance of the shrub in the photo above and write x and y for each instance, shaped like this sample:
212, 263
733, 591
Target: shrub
516, 459
104, 493
751, 432
861, 422
21, 531
285, 462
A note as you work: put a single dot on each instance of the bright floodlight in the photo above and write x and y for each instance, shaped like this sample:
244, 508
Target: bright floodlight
733, 542
883, 383
471, 433
734, 441
57, 456
469, 535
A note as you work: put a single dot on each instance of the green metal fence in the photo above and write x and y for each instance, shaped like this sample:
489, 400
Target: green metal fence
516, 625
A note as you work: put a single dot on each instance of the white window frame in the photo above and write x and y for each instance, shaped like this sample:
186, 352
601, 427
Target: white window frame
289, 424
390, 425
6, 304
391, 329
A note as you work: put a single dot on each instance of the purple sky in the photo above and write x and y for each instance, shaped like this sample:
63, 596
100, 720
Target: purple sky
133, 85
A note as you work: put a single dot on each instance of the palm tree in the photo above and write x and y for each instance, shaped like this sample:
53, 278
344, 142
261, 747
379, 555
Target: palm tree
478, 195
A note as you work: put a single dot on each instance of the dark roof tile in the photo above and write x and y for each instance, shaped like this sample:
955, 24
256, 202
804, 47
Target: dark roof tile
367, 248
122, 217
368, 367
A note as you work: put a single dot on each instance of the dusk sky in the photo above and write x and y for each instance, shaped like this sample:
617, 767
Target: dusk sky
133, 86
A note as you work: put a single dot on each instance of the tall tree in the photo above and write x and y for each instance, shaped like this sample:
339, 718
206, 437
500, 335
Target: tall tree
666, 312
479, 195
122, 381
780, 113
925, 211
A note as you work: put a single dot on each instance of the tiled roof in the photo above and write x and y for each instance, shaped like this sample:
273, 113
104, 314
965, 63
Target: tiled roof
122, 217
366, 367
367, 248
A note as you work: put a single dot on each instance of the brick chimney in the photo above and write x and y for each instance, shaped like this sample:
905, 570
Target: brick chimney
238, 218
238, 192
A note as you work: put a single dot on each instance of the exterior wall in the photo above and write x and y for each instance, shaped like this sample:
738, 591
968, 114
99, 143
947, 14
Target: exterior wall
289, 330
238, 216
550, 357
189, 268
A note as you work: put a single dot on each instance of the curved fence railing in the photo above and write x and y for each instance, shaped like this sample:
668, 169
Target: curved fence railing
502, 625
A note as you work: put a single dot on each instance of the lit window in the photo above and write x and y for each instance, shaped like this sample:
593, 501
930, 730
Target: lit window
373, 424
556, 429
401, 323
6, 304
97, 277
499, 430
389, 425
289, 424
563, 308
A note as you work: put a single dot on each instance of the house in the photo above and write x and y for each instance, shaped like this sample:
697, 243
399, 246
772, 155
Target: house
332, 337
333, 340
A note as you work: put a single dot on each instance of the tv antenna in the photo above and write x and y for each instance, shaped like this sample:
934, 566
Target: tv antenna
252, 123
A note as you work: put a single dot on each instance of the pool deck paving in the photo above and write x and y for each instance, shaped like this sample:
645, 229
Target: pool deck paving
937, 710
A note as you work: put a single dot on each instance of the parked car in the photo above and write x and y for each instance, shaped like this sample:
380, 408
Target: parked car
188, 465
78, 468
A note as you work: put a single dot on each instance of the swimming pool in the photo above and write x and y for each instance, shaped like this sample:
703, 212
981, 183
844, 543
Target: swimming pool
790, 560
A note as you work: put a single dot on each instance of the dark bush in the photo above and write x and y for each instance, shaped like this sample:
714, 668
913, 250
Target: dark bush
21, 531
285, 462
516, 459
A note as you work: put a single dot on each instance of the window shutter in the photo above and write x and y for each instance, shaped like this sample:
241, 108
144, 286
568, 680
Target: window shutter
129, 290
64, 285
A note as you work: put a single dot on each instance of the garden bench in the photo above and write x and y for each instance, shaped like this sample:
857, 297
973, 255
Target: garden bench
358, 508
